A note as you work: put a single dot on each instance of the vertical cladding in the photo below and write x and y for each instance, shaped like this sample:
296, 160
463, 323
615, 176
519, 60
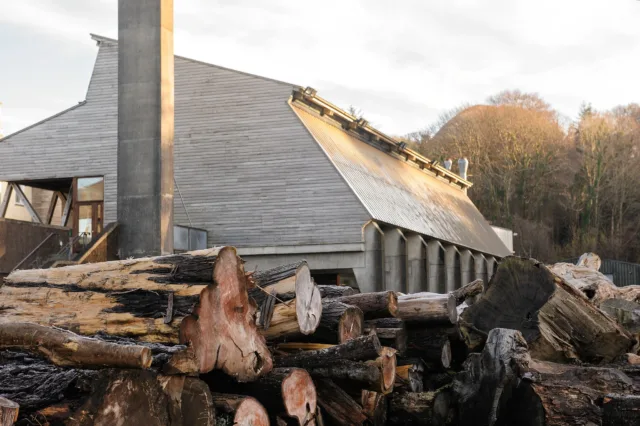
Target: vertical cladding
249, 172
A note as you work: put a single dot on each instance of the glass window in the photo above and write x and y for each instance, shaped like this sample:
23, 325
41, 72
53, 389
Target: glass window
91, 189
85, 224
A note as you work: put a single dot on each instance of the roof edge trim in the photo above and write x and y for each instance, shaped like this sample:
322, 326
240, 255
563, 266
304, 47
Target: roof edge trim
24, 129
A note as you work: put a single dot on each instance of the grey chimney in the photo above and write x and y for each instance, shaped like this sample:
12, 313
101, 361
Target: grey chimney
463, 166
448, 163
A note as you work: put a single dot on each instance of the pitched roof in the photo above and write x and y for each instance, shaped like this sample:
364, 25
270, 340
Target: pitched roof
398, 192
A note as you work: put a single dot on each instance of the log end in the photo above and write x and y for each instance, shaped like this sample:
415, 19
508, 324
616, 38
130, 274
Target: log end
350, 325
251, 413
389, 364
8, 411
308, 301
299, 394
392, 303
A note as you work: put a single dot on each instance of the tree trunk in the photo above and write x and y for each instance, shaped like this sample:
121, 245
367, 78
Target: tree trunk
621, 410
359, 349
374, 406
391, 332
8, 412
425, 408
197, 404
339, 323
333, 291
239, 410
339, 407
284, 392
280, 281
429, 308
67, 349
374, 305
211, 313
555, 319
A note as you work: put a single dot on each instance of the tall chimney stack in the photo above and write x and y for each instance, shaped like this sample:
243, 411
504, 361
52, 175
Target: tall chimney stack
145, 127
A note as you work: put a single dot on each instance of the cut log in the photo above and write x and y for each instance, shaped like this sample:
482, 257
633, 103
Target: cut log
197, 404
280, 281
338, 405
409, 377
359, 374
359, 349
430, 308
135, 397
391, 332
425, 408
433, 344
593, 284
129, 298
67, 349
374, 305
558, 323
333, 291
468, 291
8, 412
374, 406
621, 410
239, 410
482, 389
590, 260
284, 392
339, 323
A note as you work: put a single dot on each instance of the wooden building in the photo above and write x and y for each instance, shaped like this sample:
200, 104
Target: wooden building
275, 170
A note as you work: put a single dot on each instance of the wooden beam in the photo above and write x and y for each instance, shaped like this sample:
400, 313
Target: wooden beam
27, 203
67, 208
52, 208
5, 200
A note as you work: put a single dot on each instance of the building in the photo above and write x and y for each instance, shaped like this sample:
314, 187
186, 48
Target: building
275, 170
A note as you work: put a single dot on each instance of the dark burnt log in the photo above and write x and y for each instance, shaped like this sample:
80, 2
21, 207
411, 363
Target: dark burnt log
359, 349
197, 404
239, 410
621, 410
67, 349
468, 292
333, 291
339, 323
436, 345
424, 408
280, 281
136, 397
391, 332
435, 380
288, 393
8, 412
374, 305
374, 406
356, 375
428, 308
558, 323
129, 298
339, 407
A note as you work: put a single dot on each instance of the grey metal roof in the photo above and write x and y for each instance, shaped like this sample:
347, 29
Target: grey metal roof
400, 194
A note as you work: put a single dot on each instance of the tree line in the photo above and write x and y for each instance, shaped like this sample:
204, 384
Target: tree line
564, 186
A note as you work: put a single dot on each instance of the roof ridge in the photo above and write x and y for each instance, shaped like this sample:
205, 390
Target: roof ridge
102, 39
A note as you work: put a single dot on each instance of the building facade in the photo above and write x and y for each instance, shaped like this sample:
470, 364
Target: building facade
278, 172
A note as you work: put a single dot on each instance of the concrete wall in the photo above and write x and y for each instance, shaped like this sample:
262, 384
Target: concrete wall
18, 238
248, 170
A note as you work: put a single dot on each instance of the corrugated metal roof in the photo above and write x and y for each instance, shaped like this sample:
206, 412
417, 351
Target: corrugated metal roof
400, 194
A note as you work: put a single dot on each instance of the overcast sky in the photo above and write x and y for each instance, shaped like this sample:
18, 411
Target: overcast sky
402, 62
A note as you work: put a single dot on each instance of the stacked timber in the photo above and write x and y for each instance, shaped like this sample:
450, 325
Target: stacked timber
193, 339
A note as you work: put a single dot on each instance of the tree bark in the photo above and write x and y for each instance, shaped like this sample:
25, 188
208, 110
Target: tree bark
284, 392
239, 410
339, 407
359, 349
333, 291
197, 404
555, 319
374, 305
429, 308
339, 323
621, 410
374, 406
468, 291
358, 374
433, 345
391, 332
211, 314
425, 408
8, 412
281, 281
67, 349
409, 377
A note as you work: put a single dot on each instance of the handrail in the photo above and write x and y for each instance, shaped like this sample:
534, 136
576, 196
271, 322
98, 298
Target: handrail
33, 251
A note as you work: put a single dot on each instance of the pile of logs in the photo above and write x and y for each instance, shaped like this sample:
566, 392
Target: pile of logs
193, 339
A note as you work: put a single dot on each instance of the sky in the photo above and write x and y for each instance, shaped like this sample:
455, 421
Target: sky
402, 62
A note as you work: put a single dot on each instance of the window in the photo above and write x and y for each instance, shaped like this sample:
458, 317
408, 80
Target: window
18, 199
88, 199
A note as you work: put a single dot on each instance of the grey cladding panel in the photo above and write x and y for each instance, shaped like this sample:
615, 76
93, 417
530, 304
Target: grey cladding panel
248, 170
